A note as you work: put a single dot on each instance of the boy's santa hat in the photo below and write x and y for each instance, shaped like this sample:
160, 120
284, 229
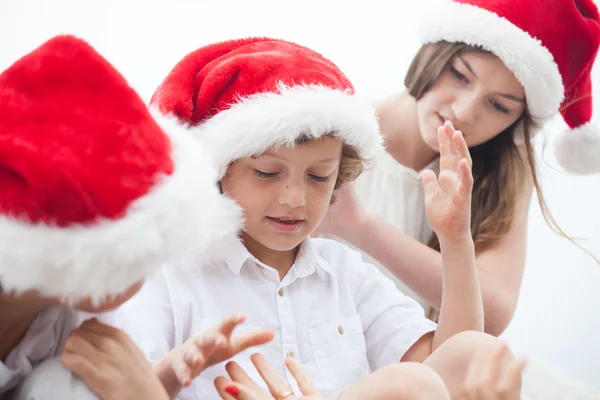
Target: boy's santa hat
550, 46
246, 96
96, 193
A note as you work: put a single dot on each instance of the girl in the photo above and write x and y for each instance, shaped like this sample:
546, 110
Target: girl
72, 237
497, 70
286, 132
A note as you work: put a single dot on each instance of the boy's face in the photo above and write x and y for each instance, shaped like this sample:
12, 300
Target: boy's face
285, 193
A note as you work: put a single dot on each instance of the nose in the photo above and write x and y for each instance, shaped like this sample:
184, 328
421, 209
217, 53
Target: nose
292, 195
464, 108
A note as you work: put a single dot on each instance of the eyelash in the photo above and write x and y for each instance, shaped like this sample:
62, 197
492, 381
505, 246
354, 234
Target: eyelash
497, 106
270, 175
458, 75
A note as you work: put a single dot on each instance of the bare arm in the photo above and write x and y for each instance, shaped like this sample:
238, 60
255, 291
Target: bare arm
500, 267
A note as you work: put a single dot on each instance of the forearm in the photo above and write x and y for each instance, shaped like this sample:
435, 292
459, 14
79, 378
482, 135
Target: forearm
420, 267
461, 306
166, 375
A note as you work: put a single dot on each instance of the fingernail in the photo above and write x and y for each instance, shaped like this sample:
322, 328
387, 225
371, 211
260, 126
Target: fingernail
232, 390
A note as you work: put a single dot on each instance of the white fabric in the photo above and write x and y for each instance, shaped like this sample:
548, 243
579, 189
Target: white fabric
42, 340
335, 313
50, 380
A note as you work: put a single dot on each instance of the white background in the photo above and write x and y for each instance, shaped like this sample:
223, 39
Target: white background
558, 319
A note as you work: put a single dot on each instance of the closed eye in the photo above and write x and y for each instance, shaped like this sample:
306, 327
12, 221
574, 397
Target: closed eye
317, 178
499, 107
458, 75
265, 175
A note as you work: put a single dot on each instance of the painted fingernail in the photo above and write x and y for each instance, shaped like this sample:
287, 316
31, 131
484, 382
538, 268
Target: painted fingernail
232, 390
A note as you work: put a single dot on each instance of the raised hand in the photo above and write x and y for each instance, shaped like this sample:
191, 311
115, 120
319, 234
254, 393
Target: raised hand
344, 215
243, 388
184, 363
448, 197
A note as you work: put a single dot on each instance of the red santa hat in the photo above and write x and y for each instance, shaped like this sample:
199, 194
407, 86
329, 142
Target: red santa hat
246, 96
96, 193
550, 46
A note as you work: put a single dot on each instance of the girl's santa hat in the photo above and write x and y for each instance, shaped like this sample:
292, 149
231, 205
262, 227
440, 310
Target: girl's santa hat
246, 96
550, 46
96, 192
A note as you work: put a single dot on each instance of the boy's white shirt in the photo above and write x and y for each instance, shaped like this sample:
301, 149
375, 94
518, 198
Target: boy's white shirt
339, 316
43, 340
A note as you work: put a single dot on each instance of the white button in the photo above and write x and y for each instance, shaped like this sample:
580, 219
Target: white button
280, 292
290, 354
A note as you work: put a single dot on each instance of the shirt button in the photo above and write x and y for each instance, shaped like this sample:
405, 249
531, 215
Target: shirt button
280, 292
341, 329
290, 354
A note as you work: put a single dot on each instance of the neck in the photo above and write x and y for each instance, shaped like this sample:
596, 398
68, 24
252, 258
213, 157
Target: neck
281, 261
17, 312
400, 126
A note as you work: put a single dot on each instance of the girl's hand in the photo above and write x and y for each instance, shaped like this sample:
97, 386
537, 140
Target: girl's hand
345, 215
110, 364
493, 376
448, 197
243, 388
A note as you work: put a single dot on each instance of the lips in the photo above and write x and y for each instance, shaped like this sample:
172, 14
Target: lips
285, 224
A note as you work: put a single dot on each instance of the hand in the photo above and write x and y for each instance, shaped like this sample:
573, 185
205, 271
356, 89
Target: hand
346, 214
243, 388
216, 345
493, 376
448, 198
110, 364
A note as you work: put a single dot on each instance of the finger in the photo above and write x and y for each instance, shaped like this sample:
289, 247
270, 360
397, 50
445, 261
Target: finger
78, 342
511, 378
429, 182
466, 177
106, 343
304, 381
472, 383
242, 342
207, 343
220, 384
182, 371
444, 148
277, 386
227, 326
490, 370
461, 145
79, 364
237, 374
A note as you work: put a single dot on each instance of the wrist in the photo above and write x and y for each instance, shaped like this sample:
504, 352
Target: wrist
457, 243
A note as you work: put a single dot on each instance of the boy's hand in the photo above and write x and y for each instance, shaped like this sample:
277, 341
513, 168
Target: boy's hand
184, 363
448, 197
110, 364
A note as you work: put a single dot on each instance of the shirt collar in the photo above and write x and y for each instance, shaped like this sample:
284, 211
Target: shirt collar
307, 260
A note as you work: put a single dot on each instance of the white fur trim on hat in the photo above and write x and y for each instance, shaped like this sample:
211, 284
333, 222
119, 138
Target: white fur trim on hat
183, 214
577, 150
531, 62
266, 120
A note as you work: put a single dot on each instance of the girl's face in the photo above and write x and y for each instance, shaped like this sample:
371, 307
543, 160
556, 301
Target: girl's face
477, 93
285, 193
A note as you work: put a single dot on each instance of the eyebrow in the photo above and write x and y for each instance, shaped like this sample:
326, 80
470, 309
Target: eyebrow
505, 95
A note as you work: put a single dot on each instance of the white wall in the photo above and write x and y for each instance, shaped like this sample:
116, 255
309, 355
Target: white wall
558, 318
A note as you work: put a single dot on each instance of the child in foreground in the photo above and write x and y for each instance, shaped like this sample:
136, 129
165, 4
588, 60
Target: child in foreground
287, 131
